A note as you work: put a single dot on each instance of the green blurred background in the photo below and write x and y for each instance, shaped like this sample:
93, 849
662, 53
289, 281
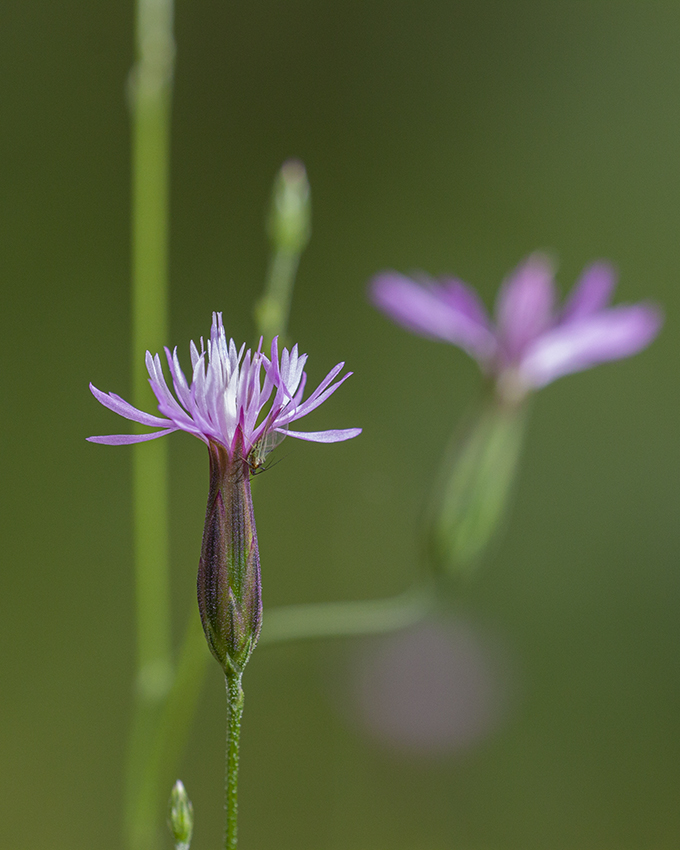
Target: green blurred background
451, 136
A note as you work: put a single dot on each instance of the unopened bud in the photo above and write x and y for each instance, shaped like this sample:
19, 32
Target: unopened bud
180, 816
289, 221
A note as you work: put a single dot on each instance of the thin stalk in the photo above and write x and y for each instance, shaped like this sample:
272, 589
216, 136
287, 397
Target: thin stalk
167, 738
274, 307
347, 619
289, 229
150, 96
234, 715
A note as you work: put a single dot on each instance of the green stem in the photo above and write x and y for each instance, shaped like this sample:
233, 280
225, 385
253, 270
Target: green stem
150, 91
167, 737
273, 309
234, 715
346, 619
289, 228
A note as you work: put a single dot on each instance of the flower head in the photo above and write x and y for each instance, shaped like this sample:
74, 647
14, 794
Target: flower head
228, 392
240, 405
532, 342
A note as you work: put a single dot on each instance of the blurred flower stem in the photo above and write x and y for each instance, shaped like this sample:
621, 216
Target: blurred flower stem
167, 739
347, 619
289, 230
150, 92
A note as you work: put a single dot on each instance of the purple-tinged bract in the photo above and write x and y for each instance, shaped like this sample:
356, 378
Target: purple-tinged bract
244, 402
532, 341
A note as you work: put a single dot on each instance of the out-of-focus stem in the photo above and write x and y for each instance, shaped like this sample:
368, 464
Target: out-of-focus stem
289, 229
168, 735
150, 97
346, 619
273, 309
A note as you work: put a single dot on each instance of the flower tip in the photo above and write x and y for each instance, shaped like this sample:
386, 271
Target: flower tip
275, 347
593, 292
180, 816
652, 318
293, 170
397, 296
382, 284
543, 261
601, 266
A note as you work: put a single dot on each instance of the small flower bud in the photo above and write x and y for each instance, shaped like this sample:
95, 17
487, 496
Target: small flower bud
289, 221
180, 816
229, 593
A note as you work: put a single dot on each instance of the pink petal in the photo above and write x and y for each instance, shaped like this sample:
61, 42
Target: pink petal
334, 436
524, 307
125, 409
128, 439
463, 298
592, 292
607, 335
430, 310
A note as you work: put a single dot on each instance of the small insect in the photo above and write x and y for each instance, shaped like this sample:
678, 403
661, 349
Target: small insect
257, 458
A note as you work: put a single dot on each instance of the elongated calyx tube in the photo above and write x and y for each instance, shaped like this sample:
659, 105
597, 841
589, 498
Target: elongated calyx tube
475, 486
229, 587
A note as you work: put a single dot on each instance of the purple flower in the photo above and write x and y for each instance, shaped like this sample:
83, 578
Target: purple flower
227, 395
241, 406
532, 342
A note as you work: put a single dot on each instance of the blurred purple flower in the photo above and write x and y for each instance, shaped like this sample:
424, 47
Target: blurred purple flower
226, 396
532, 341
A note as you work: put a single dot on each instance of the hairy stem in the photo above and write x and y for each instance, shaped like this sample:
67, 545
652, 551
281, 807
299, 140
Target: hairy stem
234, 715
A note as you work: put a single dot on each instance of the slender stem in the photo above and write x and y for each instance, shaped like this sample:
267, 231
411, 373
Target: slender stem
167, 736
234, 715
274, 307
345, 619
289, 228
150, 95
